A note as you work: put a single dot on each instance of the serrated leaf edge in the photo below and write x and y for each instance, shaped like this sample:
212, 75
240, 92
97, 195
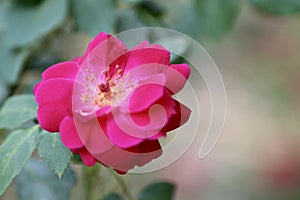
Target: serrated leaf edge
46, 161
10, 156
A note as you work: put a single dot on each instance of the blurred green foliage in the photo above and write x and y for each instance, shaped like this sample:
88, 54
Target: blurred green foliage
17, 110
53, 153
27, 25
30, 35
15, 152
280, 7
157, 191
112, 196
44, 184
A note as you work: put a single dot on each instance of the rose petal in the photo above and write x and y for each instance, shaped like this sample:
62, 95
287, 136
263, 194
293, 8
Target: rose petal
94, 43
68, 133
92, 134
75, 151
176, 76
145, 71
154, 115
129, 129
123, 160
119, 137
141, 45
35, 87
67, 70
143, 96
143, 56
120, 172
103, 111
157, 46
76, 59
86, 157
133, 130
148, 150
179, 118
101, 53
54, 98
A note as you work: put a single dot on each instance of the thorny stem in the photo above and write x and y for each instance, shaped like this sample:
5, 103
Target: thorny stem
90, 179
122, 184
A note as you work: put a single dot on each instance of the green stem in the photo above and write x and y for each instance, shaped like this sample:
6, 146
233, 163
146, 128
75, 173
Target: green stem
90, 178
122, 184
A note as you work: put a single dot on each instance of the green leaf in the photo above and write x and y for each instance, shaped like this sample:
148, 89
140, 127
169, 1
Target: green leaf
11, 63
201, 18
217, 16
28, 2
16, 110
157, 191
154, 9
173, 17
112, 196
53, 153
94, 16
3, 92
14, 153
128, 19
25, 24
280, 7
37, 182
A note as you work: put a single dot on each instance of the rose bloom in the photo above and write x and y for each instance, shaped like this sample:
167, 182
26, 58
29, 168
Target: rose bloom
113, 104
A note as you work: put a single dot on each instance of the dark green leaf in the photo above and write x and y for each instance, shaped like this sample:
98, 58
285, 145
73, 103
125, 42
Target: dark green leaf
182, 16
157, 191
53, 153
112, 196
25, 24
15, 152
37, 182
153, 8
3, 92
28, 2
16, 110
217, 16
201, 18
280, 7
128, 19
94, 16
11, 64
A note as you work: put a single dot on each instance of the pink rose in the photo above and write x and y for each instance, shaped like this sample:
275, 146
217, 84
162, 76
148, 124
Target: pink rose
113, 104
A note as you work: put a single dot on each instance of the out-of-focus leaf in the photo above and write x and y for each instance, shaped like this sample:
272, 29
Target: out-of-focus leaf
112, 196
28, 2
3, 92
150, 12
37, 182
157, 191
25, 24
153, 8
131, 1
53, 153
15, 152
128, 19
182, 16
11, 63
217, 16
178, 43
16, 110
94, 16
201, 18
280, 7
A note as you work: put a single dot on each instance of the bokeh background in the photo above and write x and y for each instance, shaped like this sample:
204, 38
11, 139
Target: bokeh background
256, 46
